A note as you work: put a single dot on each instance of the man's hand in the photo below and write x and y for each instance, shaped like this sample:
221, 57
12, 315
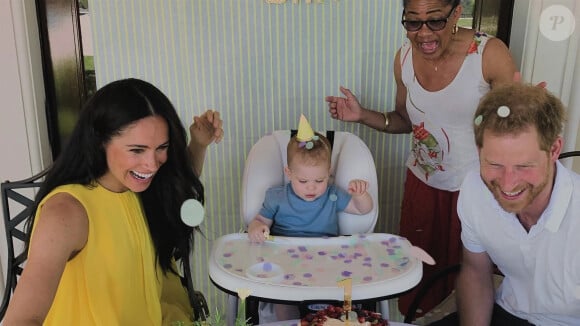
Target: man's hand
518, 79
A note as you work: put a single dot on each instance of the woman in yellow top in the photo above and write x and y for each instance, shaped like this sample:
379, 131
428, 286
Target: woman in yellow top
107, 228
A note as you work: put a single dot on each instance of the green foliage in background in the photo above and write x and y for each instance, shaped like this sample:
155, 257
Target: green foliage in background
84, 4
89, 62
468, 7
216, 319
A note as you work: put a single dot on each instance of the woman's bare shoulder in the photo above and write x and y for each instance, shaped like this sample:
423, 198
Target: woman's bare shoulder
498, 65
64, 203
65, 215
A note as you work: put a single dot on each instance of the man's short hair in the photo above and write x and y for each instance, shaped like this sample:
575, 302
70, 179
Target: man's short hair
514, 107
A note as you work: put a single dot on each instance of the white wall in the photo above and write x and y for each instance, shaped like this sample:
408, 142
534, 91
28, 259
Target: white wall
541, 58
23, 135
261, 65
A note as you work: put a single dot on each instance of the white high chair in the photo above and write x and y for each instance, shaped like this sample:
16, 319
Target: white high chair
264, 168
351, 159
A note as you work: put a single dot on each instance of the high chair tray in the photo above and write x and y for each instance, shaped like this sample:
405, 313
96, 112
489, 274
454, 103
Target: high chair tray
296, 269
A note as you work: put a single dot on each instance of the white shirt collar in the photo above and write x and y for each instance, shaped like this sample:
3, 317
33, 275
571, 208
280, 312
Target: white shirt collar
559, 199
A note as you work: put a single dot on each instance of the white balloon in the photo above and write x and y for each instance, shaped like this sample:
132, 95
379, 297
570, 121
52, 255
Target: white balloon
192, 212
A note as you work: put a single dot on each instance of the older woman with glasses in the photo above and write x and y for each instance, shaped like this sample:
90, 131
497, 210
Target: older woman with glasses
441, 71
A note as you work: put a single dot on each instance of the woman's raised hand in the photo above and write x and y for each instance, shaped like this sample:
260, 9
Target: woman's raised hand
344, 108
207, 128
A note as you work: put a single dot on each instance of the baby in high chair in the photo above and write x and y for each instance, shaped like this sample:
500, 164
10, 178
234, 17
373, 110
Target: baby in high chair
308, 205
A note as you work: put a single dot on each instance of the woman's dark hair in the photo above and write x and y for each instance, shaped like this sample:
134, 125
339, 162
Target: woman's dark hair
109, 111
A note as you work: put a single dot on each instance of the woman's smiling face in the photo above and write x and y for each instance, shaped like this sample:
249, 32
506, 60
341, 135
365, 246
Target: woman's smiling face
135, 155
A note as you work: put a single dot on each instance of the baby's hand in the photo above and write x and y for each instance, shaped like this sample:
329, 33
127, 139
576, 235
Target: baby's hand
357, 187
258, 232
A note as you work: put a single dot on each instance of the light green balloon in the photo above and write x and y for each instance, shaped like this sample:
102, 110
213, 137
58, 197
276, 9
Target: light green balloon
192, 212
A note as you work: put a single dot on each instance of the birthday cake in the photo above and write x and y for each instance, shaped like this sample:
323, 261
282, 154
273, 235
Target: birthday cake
332, 315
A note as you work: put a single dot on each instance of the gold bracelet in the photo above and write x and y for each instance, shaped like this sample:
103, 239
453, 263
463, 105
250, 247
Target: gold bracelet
386, 121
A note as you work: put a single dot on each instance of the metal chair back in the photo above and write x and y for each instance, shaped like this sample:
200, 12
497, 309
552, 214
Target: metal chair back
17, 202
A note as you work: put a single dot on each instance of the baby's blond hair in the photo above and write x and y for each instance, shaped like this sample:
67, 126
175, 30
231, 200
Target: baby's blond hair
319, 153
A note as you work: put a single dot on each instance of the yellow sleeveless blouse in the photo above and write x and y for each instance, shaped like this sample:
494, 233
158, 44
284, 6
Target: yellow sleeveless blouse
114, 279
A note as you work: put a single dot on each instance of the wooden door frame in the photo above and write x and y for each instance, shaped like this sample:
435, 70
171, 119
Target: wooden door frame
63, 67
504, 17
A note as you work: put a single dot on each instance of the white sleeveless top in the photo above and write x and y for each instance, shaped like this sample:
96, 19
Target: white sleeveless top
443, 148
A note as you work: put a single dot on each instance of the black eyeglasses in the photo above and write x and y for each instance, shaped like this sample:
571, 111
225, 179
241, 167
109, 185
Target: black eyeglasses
433, 24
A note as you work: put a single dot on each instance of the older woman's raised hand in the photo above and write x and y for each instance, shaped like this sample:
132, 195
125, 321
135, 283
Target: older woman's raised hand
344, 108
207, 128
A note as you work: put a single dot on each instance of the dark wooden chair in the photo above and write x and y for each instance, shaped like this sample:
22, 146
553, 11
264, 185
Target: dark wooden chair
17, 203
